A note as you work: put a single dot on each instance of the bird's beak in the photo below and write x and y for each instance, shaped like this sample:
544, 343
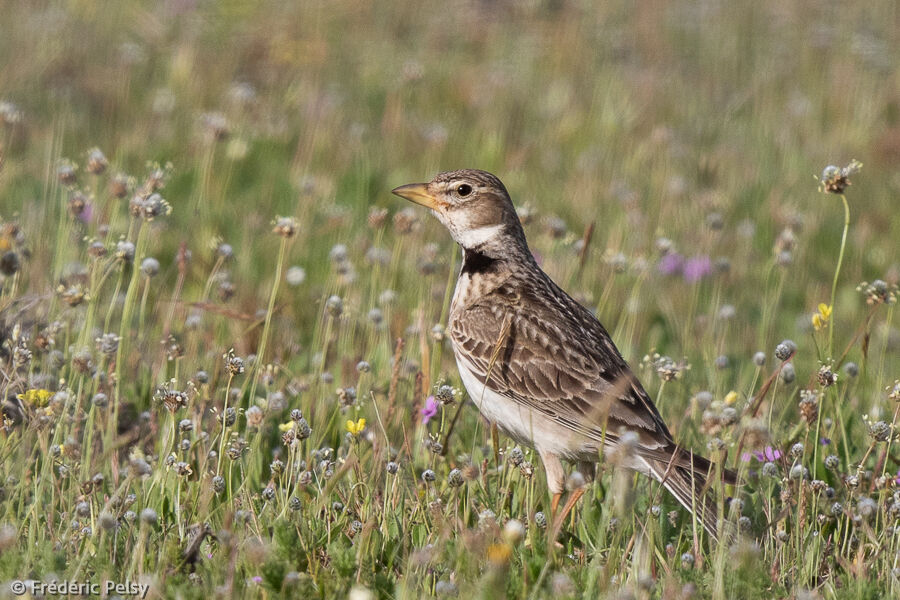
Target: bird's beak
418, 193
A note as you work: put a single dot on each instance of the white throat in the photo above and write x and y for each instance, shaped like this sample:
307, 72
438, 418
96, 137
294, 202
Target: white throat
472, 238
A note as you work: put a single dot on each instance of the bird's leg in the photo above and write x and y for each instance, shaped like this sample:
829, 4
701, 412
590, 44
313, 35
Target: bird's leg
554, 504
556, 477
574, 496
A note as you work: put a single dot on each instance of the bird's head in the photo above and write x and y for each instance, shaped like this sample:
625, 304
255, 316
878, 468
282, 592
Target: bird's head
473, 205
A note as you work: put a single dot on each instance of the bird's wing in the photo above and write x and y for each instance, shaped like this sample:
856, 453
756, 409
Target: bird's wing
551, 355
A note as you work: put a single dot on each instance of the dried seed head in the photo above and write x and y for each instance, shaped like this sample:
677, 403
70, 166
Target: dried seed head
286, 227
826, 376
835, 180
96, 162
788, 374
785, 350
455, 478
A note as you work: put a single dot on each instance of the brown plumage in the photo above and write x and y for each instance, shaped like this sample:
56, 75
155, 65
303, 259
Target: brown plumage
540, 365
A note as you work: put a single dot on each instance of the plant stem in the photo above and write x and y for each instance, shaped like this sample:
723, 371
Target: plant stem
260, 354
837, 272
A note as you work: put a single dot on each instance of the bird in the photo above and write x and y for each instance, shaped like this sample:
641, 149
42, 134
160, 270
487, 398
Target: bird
540, 366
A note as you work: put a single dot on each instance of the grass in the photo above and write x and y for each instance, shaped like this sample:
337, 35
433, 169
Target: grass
152, 361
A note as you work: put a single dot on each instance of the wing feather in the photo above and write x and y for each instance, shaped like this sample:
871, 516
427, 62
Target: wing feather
554, 357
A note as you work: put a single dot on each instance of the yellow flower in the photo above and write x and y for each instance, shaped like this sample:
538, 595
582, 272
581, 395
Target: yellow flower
499, 554
357, 427
731, 397
36, 397
285, 427
821, 318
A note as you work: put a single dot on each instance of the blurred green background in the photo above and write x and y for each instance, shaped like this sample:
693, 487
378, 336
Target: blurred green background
688, 127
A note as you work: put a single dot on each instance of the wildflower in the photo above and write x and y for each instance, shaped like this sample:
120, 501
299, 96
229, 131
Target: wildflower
125, 251
355, 428
215, 125
295, 276
334, 306
788, 374
108, 343
285, 427
429, 410
392, 468
835, 180
36, 397
286, 227
445, 395
671, 263
894, 391
696, 268
821, 318
832, 462
809, 405
96, 163
785, 350
119, 185
878, 292
826, 376
149, 267
234, 363
731, 397
769, 454
880, 431
513, 532
540, 520
172, 399
516, 457
851, 369
455, 478
428, 476
498, 554
9, 263
149, 516
218, 484
10, 114
65, 173
254, 416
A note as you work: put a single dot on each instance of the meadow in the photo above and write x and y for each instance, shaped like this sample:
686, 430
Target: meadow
224, 370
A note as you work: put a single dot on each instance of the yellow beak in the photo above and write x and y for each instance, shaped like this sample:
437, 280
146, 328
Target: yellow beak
418, 193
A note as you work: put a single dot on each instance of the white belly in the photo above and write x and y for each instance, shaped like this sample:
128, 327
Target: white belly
521, 423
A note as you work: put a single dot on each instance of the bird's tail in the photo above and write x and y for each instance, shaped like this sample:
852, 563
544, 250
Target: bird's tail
688, 477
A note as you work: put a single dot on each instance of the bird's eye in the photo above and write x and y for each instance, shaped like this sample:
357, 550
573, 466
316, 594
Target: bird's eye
464, 190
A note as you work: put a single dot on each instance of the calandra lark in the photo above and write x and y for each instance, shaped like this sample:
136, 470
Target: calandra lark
538, 364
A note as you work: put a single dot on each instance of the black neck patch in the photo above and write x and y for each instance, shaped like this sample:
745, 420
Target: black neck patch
476, 262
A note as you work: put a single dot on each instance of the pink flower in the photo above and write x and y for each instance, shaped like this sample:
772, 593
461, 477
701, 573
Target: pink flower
696, 268
671, 264
770, 454
429, 410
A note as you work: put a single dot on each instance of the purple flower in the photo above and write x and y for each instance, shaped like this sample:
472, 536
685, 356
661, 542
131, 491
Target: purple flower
671, 264
825, 441
770, 454
429, 410
87, 213
256, 579
897, 480
696, 268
